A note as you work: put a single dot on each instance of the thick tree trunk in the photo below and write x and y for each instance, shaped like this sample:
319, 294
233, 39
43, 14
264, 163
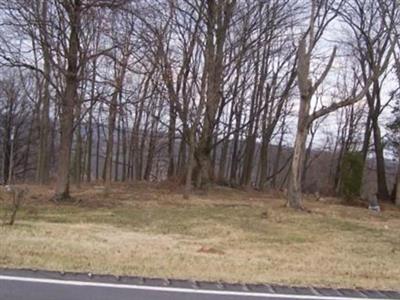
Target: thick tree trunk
367, 138
307, 89
68, 103
219, 14
204, 148
383, 192
296, 172
66, 124
294, 196
203, 159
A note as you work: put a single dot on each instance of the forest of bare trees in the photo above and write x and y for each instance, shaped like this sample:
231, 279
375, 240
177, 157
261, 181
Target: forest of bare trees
263, 95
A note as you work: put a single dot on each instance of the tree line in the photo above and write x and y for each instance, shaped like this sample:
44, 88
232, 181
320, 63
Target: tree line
196, 91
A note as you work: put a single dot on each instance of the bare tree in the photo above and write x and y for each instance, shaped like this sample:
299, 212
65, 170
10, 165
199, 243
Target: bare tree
368, 23
307, 90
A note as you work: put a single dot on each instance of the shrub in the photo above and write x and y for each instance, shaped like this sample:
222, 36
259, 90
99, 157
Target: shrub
351, 175
11, 198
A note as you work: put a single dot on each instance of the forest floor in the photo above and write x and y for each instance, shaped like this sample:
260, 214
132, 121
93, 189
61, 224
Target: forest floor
227, 235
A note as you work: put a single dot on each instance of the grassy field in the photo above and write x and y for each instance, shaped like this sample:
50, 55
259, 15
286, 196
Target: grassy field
227, 235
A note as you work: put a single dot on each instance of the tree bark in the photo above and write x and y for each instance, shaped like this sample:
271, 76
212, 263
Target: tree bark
43, 153
397, 198
218, 19
383, 192
90, 126
171, 140
295, 180
68, 102
120, 71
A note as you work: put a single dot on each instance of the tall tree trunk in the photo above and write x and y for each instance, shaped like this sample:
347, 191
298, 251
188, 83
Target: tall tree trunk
367, 138
7, 143
90, 125
68, 101
383, 192
189, 170
98, 141
182, 158
117, 150
218, 19
307, 89
29, 144
248, 160
235, 158
77, 163
119, 79
236, 142
262, 184
107, 170
252, 134
66, 126
307, 158
44, 126
171, 140
140, 152
43, 154
296, 169
124, 151
224, 152
151, 151
278, 157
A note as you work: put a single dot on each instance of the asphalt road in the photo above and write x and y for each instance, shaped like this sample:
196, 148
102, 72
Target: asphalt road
17, 285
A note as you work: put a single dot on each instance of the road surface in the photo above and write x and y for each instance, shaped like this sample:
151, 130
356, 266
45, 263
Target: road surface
42, 285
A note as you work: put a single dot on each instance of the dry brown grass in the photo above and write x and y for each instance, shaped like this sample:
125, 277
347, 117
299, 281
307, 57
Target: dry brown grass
226, 235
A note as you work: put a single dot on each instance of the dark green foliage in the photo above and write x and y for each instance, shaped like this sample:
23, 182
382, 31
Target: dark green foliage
351, 175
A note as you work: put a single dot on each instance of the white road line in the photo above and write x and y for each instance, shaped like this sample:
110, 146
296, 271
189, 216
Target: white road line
172, 289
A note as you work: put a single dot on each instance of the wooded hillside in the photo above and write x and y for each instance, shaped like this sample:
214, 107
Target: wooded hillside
254, 94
